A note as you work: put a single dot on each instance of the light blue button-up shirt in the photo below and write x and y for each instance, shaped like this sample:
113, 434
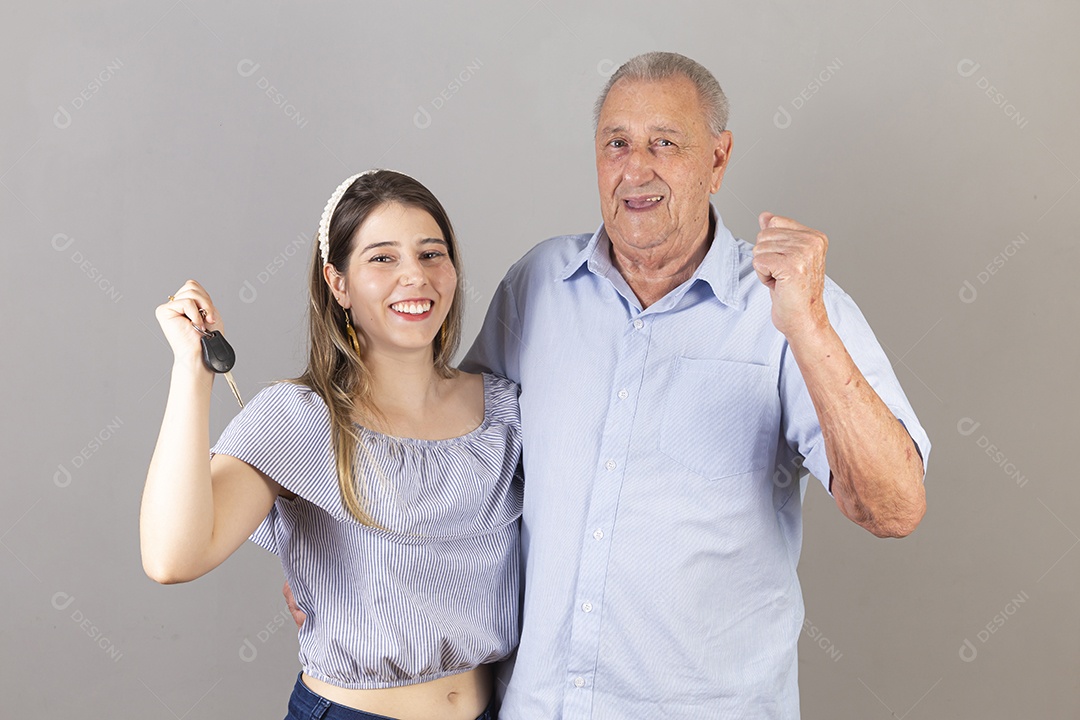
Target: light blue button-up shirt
663, 453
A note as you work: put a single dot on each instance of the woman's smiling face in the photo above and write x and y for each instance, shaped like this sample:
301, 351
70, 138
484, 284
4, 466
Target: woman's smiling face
400, 280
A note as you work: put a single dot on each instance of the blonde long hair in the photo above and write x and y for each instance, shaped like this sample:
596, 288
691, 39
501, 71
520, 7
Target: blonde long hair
337, 372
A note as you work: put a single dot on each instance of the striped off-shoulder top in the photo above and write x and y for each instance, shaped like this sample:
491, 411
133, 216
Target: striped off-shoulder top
432, 593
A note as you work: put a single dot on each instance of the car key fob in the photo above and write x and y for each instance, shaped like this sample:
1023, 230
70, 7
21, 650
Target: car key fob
219, 357
217, 353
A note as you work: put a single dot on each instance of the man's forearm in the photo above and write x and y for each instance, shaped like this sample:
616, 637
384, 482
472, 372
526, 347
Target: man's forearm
877, 474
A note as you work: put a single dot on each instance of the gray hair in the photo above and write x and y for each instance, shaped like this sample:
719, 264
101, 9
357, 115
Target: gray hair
653, 66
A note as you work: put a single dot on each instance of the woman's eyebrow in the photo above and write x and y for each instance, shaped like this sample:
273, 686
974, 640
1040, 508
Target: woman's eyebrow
383, 243
395, 243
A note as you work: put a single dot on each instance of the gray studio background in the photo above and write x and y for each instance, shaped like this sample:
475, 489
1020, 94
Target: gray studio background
145, 143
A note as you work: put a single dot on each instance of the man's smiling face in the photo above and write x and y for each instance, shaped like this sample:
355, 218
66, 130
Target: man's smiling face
657, 162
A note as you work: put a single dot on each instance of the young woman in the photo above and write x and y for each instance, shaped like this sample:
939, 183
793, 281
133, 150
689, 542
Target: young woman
385, 479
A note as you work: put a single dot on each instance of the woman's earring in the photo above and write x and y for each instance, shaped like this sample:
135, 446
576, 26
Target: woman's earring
351, 333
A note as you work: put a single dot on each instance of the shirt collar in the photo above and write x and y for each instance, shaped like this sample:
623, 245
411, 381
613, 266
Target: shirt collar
719, 269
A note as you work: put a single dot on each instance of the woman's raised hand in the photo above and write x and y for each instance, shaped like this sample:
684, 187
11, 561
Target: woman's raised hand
190, 304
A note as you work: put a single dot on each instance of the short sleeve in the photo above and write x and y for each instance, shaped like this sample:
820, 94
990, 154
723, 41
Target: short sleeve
284, 432
502, 401
801, 426
496, 348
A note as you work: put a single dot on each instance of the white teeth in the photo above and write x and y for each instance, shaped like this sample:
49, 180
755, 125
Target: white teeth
412, 307
655, 198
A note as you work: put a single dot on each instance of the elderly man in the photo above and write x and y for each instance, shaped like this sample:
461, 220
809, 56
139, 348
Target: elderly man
674, 381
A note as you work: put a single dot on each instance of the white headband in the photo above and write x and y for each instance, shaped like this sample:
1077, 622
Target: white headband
331, 205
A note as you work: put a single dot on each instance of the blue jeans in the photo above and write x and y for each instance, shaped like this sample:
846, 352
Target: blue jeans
307, 705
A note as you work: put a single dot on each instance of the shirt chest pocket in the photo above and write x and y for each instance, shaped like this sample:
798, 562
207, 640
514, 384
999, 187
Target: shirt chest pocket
721, 418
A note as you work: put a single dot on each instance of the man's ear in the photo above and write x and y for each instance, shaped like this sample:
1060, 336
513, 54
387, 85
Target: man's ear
336, 282
721, 155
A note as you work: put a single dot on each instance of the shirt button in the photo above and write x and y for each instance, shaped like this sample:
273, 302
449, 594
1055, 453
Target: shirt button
610, 465
623, 394
599, 534
587, 606
579, 682
638, 324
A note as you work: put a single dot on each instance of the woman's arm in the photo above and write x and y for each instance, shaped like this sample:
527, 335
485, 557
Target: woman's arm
195, 512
